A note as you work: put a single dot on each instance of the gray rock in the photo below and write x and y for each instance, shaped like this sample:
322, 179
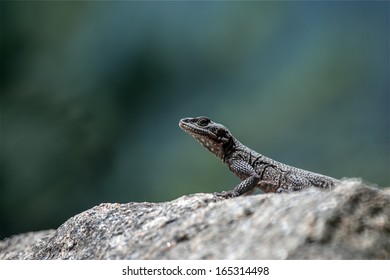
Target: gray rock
350, 222
19, 246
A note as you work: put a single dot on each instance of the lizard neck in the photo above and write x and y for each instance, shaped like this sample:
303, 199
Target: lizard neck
232, 148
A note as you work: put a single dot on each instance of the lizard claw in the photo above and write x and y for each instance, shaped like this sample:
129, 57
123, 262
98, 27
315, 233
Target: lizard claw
228, 194
280, 190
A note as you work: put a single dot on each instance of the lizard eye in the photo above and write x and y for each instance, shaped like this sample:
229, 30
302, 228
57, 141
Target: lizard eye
203, 121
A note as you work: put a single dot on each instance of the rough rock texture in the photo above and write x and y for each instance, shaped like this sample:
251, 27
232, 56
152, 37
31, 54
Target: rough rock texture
349, 222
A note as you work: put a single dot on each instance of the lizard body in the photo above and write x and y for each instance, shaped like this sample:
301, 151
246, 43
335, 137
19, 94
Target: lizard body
254, 169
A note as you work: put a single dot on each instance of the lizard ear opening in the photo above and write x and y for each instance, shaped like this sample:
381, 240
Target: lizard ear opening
223, 133
228, 144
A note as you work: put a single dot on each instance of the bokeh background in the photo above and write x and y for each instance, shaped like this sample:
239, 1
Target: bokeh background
92, 92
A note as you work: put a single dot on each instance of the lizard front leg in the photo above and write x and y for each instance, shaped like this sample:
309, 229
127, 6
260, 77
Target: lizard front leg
245, 172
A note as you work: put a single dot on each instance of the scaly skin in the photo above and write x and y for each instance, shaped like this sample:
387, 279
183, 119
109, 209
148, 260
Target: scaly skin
254, 169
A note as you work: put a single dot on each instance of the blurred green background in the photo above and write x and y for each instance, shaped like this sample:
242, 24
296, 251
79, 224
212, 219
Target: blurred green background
92, 92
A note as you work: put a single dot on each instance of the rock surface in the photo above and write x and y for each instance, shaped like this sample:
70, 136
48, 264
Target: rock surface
350, 222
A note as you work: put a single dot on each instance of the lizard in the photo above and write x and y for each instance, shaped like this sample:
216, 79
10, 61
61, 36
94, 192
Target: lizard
253, 169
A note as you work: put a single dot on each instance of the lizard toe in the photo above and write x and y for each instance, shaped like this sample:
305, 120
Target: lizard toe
228, 194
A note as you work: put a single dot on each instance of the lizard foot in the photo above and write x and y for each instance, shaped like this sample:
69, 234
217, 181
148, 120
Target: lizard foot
228, 194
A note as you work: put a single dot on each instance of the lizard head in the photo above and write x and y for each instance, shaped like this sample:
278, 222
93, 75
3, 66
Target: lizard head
213, 136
